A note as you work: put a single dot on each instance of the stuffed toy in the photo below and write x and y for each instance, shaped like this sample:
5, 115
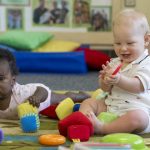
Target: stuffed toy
76, 125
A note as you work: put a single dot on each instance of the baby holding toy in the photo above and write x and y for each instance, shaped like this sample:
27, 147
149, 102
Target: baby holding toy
129, 89
12, 93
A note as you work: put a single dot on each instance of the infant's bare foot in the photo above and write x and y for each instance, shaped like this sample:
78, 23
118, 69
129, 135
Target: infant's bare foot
96, 122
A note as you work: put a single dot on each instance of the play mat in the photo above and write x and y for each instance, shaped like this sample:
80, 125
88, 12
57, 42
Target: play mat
14, 138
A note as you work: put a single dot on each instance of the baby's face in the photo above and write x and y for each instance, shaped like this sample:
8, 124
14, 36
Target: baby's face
6, 80
129, 42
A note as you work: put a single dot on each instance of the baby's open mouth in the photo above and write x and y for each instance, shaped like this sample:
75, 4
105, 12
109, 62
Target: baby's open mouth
125, 55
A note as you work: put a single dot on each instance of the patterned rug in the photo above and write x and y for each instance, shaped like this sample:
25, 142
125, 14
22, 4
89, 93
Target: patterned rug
14, 138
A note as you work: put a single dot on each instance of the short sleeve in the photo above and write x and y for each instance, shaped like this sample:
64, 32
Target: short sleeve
143, 73
22, 92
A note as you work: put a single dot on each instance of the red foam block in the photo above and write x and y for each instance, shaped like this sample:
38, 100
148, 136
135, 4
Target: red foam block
50, 112
81, 132
76, 118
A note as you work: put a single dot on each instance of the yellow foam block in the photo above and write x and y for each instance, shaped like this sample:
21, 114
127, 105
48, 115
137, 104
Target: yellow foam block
26, 108
65, 108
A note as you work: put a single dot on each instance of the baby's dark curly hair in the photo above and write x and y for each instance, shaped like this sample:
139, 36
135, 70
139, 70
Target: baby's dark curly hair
8, 56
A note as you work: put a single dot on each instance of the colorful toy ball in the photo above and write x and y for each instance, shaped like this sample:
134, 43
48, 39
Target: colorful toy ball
1, 135
29, 117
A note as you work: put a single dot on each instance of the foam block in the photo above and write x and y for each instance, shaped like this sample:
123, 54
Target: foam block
76, 118
64, 108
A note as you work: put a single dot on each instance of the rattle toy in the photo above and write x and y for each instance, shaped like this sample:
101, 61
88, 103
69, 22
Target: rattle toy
52, 139
29, 118
136, 142
117, 69
1, 135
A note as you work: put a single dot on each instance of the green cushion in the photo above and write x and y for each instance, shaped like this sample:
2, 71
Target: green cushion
24, 40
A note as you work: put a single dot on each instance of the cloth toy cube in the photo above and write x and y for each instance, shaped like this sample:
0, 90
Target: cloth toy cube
64, 108
81, 132
76, 118
50, 111
29, 117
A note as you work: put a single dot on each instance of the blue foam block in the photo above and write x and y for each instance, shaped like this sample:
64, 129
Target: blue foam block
60, 62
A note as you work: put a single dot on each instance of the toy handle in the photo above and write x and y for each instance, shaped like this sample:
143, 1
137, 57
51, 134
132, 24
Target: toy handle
117, 70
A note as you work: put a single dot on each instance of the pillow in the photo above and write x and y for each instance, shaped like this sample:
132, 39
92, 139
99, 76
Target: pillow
7, 47
24, 40
58, 46
94, 58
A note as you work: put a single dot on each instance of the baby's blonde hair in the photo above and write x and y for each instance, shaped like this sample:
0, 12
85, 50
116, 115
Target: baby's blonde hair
130, 17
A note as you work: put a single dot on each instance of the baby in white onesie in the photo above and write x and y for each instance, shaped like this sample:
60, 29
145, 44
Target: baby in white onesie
12, 93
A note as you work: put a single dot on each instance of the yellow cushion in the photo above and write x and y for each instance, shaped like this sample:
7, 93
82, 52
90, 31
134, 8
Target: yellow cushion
58, 46
64, 108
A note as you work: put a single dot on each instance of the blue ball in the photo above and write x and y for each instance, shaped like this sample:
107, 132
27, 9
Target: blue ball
76, 107
1, 135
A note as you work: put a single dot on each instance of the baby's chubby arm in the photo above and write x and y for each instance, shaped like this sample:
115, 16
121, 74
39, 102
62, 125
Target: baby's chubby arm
133, 85
38, 97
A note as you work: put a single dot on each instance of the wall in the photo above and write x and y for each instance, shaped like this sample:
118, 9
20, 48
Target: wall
104, 40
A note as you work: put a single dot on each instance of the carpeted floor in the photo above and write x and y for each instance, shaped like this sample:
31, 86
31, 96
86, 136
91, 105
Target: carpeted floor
86, 82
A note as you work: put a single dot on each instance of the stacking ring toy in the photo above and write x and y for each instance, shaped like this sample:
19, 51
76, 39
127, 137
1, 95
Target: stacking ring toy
52, 139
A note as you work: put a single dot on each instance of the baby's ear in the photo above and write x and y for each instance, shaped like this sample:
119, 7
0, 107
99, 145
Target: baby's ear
147, 40
13, 80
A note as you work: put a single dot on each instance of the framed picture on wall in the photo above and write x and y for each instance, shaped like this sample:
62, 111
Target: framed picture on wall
14, 18
51, 13
15, 2
81, 13
100, 16
100, 19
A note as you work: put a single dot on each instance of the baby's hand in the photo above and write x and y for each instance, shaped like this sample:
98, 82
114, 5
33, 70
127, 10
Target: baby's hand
112, 79
107, 69
33, 100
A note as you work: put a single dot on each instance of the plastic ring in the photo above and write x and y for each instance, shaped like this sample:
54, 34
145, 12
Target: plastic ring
52, 139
